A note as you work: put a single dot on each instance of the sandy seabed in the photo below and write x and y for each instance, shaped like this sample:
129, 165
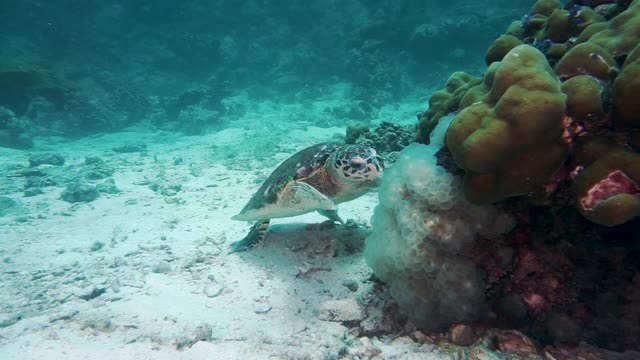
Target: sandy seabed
145, 273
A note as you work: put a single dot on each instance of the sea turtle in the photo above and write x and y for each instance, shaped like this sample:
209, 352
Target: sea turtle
314, 179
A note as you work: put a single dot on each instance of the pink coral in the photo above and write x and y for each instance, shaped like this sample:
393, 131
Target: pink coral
616, 183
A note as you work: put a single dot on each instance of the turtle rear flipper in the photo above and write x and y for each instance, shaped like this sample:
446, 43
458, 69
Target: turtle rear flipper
255, 237
331, 215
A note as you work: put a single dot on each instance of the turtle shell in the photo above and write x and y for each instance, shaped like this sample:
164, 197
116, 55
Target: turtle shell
300, 166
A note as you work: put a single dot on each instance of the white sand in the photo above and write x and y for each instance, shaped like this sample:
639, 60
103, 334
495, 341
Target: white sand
168, 279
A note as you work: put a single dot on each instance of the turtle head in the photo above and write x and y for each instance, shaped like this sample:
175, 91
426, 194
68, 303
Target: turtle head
357, 163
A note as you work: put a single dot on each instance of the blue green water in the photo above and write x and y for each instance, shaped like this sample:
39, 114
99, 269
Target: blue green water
131, 132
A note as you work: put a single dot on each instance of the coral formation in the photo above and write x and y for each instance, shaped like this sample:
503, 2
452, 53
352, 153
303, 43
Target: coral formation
444, 102
621, 34
354, 131
14, 132
584, 98
626, 88
510, 142
586, 59
387, 138
500, 47
529, 130
550, 135
607, 189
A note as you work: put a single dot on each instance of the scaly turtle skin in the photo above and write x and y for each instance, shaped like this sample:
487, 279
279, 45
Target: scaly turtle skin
314, 179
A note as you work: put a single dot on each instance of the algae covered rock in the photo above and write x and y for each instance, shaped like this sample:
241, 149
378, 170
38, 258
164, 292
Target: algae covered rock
46, 159
354, 131
14, 132
79, 191
9, 206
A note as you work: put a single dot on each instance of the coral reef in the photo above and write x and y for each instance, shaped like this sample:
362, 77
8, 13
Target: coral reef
500, 47
14, 132
444, 102
542, 115
43, 102
388, 139
626, 88
510, 142
551, 136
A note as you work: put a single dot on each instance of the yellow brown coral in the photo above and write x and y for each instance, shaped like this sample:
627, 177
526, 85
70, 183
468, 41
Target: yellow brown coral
544, 7
584, 97
557, 27
622, 33
519, 127
586, 59
626, 91
444, 102
510, 142
607, 190
500, 47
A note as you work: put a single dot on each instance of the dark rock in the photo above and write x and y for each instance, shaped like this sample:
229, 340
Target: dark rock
46, 159
32, 191
80, 191
93, 294
130, 148
91, 160
351, 285
462, 335
108, 187
354, 131
9, 206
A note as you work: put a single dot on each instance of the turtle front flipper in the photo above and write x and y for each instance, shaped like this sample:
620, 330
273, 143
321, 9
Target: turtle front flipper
302, 196
255, 237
